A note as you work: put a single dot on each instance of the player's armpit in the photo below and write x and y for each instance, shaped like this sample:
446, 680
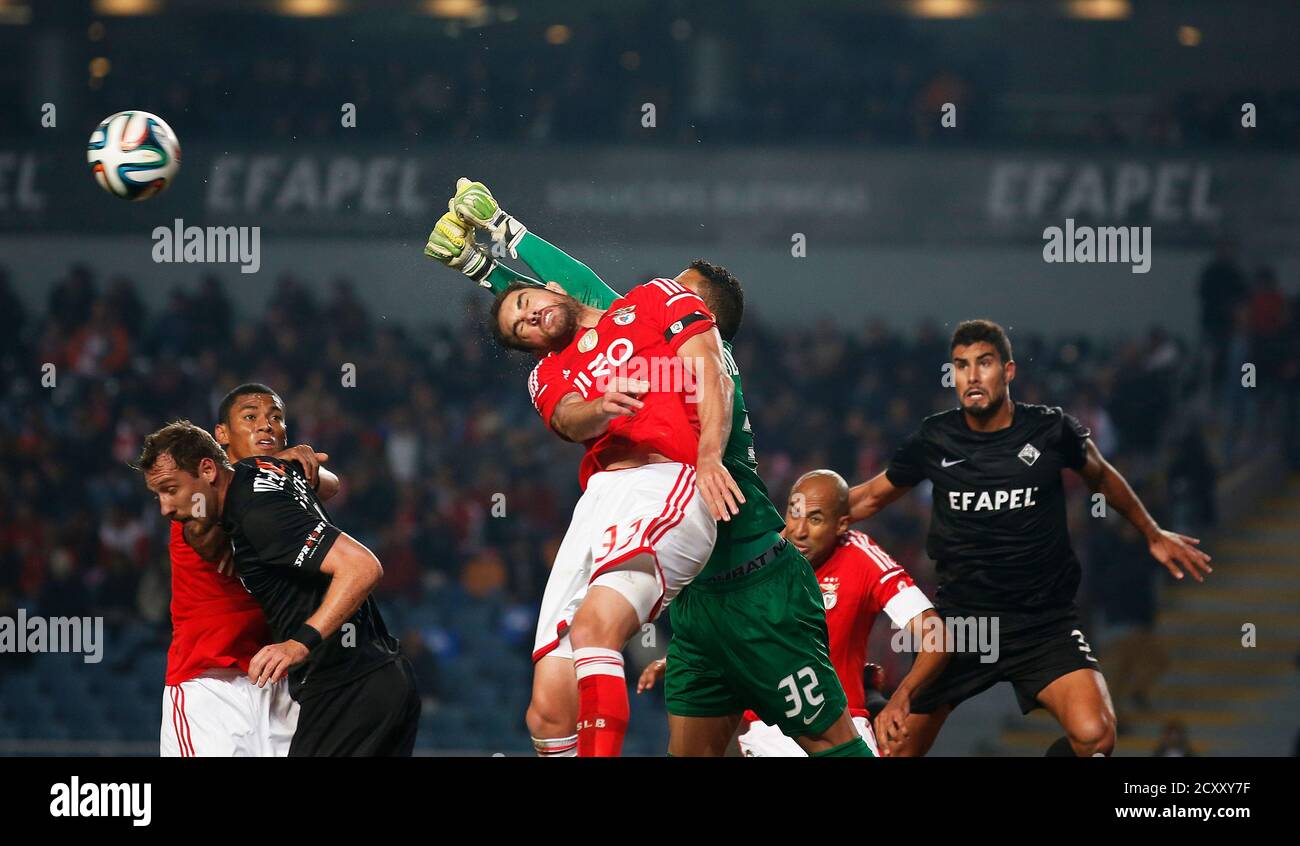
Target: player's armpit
1094, 466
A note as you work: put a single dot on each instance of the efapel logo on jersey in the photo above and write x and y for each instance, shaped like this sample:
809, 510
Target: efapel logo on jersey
830, 591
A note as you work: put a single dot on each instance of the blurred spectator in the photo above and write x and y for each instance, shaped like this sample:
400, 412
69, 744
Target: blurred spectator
1193, 503
485, 574
1222, 288
101, 347
424, 665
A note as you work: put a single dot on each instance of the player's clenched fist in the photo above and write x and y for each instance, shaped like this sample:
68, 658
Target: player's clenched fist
721, 493
271, 663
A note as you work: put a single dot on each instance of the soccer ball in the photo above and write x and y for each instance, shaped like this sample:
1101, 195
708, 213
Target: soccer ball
134, 155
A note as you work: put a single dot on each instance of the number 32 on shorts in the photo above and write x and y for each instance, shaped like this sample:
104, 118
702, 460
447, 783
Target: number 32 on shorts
810, 697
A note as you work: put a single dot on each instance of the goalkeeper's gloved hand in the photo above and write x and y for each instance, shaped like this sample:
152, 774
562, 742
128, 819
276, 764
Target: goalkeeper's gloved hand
452, 243
477, 207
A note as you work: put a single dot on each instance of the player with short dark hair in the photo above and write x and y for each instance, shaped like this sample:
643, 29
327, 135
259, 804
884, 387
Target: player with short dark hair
210, 708
313, 582
999, 536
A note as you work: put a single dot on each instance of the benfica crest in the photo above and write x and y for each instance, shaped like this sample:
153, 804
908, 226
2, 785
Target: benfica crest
830, 591
624, 315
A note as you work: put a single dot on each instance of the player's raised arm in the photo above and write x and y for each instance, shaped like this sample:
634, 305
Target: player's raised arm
474, 204
473, 207
1171, 549
714, 388
871, 496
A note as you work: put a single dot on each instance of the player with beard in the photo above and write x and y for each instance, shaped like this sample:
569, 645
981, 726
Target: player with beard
752, 621
640, 532
999, 537
210, 708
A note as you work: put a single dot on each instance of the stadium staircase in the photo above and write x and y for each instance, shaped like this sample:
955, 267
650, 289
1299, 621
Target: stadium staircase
1234, 700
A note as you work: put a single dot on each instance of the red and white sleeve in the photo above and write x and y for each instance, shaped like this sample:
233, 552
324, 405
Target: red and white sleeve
889, 586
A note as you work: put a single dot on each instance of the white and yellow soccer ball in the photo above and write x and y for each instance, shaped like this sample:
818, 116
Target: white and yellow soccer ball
133, 155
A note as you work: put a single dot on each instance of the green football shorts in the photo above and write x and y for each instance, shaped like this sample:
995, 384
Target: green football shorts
757, 642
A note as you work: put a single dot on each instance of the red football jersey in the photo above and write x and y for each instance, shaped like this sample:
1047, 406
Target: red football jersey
638, 337
215, 622
859, 581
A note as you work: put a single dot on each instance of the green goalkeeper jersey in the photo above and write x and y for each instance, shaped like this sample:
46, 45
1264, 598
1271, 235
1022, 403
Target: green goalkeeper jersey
747, 534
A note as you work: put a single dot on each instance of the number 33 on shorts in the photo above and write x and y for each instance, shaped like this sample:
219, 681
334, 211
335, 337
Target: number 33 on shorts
809, 698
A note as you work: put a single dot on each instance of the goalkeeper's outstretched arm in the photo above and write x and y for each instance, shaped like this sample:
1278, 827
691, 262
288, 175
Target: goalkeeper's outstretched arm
475, 205
551, 263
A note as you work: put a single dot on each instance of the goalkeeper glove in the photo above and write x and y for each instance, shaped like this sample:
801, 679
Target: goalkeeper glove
452, 244
476, 206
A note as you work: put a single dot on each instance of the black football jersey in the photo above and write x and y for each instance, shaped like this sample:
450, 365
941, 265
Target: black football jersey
998, 529
280, 533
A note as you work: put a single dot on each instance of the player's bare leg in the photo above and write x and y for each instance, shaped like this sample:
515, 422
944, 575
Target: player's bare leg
553, 711
921, 730
604, 622
700, 737
842, 731
1081, 703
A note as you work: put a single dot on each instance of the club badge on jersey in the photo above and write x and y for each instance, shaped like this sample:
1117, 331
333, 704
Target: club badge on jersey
830, 591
